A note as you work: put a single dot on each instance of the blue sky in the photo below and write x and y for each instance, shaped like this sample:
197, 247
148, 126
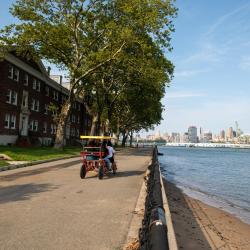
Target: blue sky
211, 87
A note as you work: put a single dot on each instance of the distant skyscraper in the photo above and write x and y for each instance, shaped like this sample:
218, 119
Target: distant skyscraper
192, 134
208, 137
185, 138
230, 133
222, 134
201, 134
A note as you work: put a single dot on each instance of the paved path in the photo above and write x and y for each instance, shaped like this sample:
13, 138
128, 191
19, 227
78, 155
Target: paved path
48, 206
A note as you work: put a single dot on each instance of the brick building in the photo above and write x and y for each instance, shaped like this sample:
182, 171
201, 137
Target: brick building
27, 94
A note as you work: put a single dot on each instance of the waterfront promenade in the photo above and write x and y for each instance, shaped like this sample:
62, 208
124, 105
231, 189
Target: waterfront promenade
48, 206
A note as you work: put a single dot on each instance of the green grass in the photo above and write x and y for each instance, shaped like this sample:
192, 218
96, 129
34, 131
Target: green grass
3, 163
35, 154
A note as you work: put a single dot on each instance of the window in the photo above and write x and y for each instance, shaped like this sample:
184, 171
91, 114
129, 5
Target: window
13, 122
7, 121
78, 119
72, 131
79, 107
73, 118
16, 75
25, 99
11, 97
53, 129
63, 99
55, 95
36, 85
77, 132
34, 125
11, 72
26, 80
35, 105
46, 106
10, 121
45, 127
47, 90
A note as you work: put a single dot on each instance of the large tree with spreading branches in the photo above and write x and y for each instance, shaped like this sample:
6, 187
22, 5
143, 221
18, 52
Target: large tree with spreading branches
85, 37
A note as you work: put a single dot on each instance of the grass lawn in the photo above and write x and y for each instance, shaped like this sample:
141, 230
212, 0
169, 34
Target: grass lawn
3, 163
41, 153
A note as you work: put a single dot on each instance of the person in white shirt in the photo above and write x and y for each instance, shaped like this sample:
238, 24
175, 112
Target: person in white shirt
110, 157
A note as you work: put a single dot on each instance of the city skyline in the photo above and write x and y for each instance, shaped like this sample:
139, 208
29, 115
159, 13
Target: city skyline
212, 65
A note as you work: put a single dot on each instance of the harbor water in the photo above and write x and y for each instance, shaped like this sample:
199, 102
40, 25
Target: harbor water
217, 176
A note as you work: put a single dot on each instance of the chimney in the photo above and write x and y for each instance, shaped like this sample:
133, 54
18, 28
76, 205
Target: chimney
60, 80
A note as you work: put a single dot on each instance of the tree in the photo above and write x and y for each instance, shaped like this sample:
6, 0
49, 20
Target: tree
82, 37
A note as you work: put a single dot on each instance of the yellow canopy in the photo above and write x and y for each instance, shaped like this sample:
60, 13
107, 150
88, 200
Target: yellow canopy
95, 137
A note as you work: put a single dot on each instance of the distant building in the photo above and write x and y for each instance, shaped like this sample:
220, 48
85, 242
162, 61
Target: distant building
222, 135
192, 134
229, 135
208, 137
184, 138
201, 134
175, 137
26, 94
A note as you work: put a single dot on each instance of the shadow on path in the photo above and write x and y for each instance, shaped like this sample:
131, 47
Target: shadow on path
118, 174
23, 192
14, 176
188, 233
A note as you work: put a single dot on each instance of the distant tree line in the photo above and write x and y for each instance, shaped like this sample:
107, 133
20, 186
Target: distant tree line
113, 51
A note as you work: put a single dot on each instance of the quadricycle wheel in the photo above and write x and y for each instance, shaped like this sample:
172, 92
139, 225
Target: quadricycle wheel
83, 171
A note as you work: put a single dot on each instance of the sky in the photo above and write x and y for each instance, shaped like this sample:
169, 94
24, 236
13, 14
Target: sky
211, 54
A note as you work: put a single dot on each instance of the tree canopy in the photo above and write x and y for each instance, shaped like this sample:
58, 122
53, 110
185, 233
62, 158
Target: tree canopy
113, 51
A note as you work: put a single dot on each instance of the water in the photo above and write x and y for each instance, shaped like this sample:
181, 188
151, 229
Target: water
218, 177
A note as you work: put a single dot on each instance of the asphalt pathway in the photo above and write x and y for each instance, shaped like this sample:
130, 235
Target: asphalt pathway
48, 206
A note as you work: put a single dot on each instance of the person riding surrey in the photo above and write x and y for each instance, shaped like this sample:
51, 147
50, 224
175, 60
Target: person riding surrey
110, 156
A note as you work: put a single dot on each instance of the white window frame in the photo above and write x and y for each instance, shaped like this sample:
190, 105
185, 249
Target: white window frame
46, 109
35, 105
45, 125
16, 74
53, 129
13, 122
26, 79
10, 72
34, 125
36, 85
25, 99
55, 95
7, 119
11, 97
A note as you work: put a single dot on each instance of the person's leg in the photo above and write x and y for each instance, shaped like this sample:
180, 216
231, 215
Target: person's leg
106, 159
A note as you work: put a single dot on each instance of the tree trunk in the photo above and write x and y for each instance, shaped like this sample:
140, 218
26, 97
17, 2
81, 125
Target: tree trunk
131, 139
124, 138
60, 132
93, 125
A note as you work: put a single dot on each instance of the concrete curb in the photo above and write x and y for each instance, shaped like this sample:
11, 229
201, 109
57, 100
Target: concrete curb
138, 213
32, 163
171, 234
